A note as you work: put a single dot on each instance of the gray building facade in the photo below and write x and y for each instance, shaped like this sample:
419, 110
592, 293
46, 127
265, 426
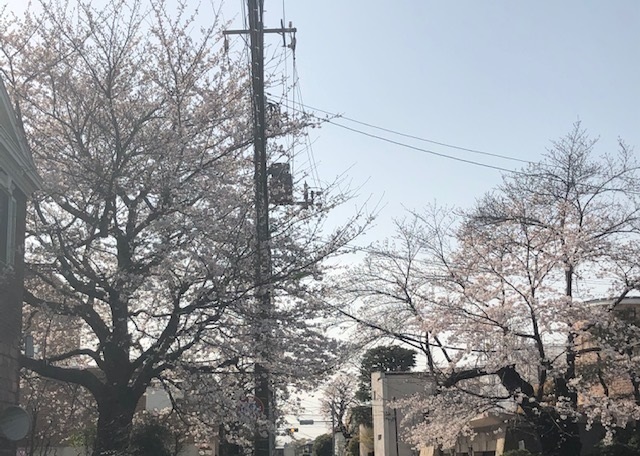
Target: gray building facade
18, 179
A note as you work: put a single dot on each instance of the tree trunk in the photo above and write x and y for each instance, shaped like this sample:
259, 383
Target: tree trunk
558, 437
115, 416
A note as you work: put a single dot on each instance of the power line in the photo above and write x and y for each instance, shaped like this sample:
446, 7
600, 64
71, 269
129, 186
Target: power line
439, 154
426, 151
313, 167
409, 146
418, 138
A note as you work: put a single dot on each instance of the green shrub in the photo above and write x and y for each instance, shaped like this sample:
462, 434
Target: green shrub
518, 452
353, 447
322, 445
153, 438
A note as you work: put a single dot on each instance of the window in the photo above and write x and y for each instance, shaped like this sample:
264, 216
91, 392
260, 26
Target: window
8, 221
4, 224
11, 232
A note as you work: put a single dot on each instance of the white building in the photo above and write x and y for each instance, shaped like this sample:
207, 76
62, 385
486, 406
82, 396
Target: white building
494, 433
387, 420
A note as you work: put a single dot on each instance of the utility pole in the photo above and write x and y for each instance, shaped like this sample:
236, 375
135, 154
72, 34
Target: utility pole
333, 432
263, 446
262, 326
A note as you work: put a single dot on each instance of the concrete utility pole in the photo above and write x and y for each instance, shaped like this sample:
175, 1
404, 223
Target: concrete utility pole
333, 432
263, 445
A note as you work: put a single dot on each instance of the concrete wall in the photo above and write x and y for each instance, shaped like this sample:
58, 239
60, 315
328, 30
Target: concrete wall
387, 420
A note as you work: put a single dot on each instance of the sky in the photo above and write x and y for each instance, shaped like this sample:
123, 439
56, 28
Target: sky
502, 77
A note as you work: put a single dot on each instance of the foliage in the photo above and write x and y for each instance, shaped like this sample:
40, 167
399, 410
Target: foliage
84, 438
353, 447
499, 298
362, 415
141, 245
383, 358
152, 438
322, 445
518, 453
617, 449
625, 443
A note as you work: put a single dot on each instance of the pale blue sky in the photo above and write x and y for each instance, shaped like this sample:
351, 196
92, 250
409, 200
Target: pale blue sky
501, 76
504, 77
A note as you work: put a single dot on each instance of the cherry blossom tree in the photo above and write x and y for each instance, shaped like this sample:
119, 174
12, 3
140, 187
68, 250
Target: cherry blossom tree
384, 295
61, 412
143, 236
500, 298
339, 396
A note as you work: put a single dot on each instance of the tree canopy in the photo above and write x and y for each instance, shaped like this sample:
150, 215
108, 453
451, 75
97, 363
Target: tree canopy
322, 445
500, 298
383, 358
142, 243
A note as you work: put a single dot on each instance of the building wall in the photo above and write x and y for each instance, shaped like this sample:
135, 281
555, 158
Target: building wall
11, 280
387, 420
11, 312
17, 179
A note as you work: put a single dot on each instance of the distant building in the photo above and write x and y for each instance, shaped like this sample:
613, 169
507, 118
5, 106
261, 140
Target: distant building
293, 449
494, 433
387, 420
18, 179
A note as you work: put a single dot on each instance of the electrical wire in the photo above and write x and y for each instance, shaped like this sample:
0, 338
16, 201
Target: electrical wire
432, 152
313, 166
409, 146
426, 151
290, 142
298, 105
418, 138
